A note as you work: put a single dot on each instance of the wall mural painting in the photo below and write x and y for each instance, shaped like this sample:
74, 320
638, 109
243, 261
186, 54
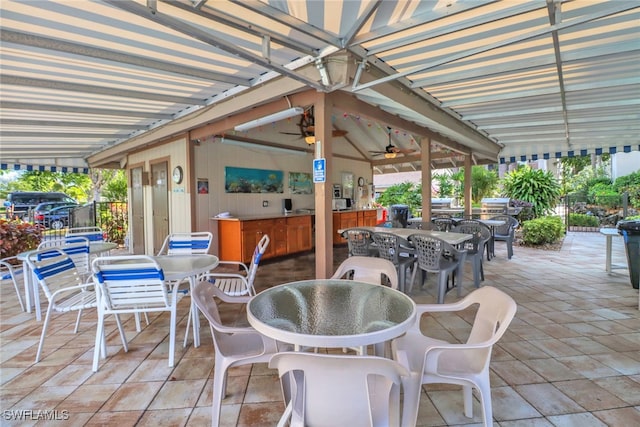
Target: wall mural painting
245, 180
300, 183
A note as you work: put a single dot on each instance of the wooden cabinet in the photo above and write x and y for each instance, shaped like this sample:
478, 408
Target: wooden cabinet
350, 219
299, 234
237, 238
367, 218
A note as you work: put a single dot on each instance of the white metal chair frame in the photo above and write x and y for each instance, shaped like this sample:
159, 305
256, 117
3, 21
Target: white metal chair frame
131, 284
62, 285
332, 390
197, 242
467, 364
94, 234
234, 346
240, 284
11, 271
77, 247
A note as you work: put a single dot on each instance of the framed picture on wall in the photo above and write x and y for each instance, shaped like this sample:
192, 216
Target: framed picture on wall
203, 186
300, 183
248, 180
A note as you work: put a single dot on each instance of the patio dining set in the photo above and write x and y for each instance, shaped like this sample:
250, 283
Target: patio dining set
364, 305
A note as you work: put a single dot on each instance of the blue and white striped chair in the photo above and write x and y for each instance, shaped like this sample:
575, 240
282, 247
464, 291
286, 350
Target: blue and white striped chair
62, 284
131, 284
11, 271
94, 234
77, 247
239, 284
198, 242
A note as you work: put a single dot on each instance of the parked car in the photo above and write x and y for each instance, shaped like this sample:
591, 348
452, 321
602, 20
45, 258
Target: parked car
53, 215
19, 203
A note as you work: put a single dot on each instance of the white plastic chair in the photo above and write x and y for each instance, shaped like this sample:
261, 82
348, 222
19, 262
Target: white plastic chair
467, 364
11, 271
234, 346
333, 390
239, 284
63, 286
131, 284
368, 269
94, 234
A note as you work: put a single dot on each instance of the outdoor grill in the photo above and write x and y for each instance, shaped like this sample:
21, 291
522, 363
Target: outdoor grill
491, 206
441, 203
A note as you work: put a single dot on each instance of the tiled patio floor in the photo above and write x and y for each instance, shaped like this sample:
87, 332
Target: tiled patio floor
571, 357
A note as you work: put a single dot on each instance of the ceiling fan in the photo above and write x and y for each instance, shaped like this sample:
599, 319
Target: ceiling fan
391, 151
308, 128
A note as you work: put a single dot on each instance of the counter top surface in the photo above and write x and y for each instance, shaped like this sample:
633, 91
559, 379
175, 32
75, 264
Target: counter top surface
280, 215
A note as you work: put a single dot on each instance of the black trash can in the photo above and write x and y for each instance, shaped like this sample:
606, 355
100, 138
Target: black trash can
399, 216
630, 231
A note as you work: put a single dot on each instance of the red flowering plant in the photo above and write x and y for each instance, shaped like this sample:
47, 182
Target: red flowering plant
17, 236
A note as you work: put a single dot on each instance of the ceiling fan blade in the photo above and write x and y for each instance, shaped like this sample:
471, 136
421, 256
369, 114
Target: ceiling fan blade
291, 133
338, 132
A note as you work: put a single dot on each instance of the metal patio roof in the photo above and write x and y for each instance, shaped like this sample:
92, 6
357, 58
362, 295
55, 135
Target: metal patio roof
504, 80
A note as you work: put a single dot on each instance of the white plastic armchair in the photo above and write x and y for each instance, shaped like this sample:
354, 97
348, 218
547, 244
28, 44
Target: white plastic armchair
131, 284
368, 269
467, 364
62, 285
332, 390
11, 271
197, 242
234, 346
239, 284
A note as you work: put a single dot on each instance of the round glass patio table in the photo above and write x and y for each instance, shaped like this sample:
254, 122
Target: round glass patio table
331, 313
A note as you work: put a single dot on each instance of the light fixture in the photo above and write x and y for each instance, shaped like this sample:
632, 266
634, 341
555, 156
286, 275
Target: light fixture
390, 155
280, 115
310, 139
257, 146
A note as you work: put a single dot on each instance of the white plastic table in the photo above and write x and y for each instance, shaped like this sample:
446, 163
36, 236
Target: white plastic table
188, 266
608, 233
331, 313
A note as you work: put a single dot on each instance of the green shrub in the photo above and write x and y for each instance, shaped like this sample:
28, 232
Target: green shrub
17, 236
542, 230
582, 220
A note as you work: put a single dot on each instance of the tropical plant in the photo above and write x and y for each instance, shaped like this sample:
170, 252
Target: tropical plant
446, 187
405, 193
631, 185
536, 186
484, 183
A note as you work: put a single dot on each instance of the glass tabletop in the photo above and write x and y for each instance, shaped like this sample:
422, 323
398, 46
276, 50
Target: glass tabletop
331, 313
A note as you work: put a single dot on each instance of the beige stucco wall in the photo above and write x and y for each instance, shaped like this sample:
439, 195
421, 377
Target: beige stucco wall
176, 154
